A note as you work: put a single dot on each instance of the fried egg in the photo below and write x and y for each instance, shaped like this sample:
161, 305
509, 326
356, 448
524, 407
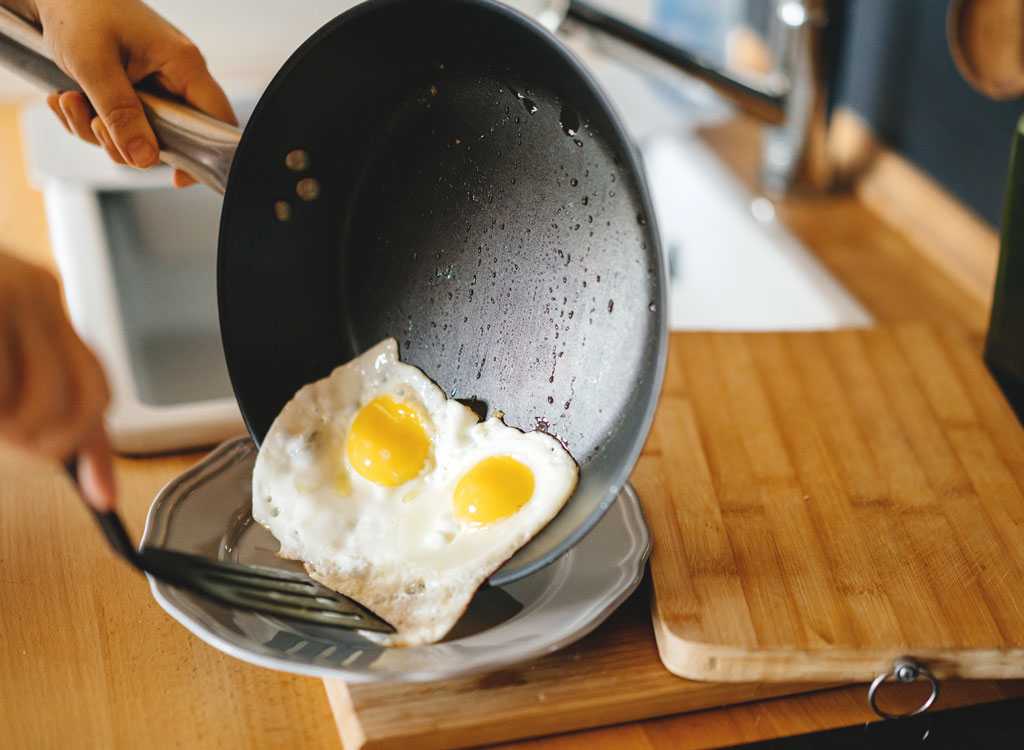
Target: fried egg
401, 498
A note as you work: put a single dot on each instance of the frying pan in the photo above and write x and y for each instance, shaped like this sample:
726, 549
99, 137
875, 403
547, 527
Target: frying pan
444, 172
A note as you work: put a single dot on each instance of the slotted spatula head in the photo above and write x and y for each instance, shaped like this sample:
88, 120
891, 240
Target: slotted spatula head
262, 589
252, 587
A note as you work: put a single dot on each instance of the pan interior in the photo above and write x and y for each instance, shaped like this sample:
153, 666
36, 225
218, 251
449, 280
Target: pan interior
479, 203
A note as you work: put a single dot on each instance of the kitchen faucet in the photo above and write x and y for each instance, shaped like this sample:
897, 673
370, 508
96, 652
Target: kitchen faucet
792, 99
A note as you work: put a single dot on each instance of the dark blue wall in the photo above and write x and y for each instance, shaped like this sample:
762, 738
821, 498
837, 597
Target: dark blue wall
897, 72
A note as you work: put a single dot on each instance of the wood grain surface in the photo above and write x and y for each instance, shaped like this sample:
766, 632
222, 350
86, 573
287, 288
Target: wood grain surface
613, 675
89, 660
823, 503
769, 719
87, 657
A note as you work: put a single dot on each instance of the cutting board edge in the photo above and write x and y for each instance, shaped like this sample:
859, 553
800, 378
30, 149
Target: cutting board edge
350, 730
705, 662
359, 732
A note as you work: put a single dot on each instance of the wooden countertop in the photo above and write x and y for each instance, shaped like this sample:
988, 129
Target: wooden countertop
90, 660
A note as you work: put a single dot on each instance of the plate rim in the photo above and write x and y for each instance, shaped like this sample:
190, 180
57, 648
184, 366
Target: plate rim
635, 562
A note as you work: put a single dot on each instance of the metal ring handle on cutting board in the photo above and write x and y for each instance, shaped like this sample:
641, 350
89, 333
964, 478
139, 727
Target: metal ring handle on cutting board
188, 139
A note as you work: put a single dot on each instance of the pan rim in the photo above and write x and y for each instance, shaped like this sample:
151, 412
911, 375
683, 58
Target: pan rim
631, 447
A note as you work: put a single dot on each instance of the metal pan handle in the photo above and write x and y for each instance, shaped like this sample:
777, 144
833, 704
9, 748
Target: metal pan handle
188, 139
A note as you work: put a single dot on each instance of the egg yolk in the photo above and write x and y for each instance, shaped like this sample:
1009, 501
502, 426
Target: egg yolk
496, 487
387, 443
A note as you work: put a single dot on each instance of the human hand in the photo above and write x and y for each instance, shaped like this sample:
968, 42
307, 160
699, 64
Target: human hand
52, 389
107, 46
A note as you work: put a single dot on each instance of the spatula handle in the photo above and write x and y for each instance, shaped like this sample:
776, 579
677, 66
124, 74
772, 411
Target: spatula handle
188, 139
115, 532
109, 522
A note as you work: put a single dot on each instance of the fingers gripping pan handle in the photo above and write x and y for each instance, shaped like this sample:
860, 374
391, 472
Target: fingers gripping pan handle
202, 146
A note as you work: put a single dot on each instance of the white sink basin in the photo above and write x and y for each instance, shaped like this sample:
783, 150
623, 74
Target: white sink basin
732, 265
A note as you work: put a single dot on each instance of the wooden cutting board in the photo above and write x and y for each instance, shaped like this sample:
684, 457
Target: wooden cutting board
611, 676
823, 503
820, 503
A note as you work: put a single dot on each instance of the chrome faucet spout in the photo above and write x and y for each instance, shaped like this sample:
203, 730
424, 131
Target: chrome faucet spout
795, 152
792, 100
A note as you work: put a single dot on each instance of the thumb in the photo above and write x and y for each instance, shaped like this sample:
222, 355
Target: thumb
96, 470
105, 83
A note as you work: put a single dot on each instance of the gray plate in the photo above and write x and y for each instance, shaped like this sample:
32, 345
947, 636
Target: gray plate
206, 511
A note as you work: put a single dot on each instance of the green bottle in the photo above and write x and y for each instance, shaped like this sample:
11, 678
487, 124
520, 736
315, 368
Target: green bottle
1004, 345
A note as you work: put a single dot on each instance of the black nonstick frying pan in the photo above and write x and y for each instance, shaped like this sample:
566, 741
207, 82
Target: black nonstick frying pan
443, 172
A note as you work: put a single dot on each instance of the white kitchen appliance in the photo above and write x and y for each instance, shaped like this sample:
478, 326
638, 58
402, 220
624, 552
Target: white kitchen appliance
138, 261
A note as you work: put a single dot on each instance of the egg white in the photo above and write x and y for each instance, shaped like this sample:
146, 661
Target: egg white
400, 551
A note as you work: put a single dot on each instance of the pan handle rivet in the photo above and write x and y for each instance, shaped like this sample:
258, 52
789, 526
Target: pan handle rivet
308, 189
297, 160
283, 210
